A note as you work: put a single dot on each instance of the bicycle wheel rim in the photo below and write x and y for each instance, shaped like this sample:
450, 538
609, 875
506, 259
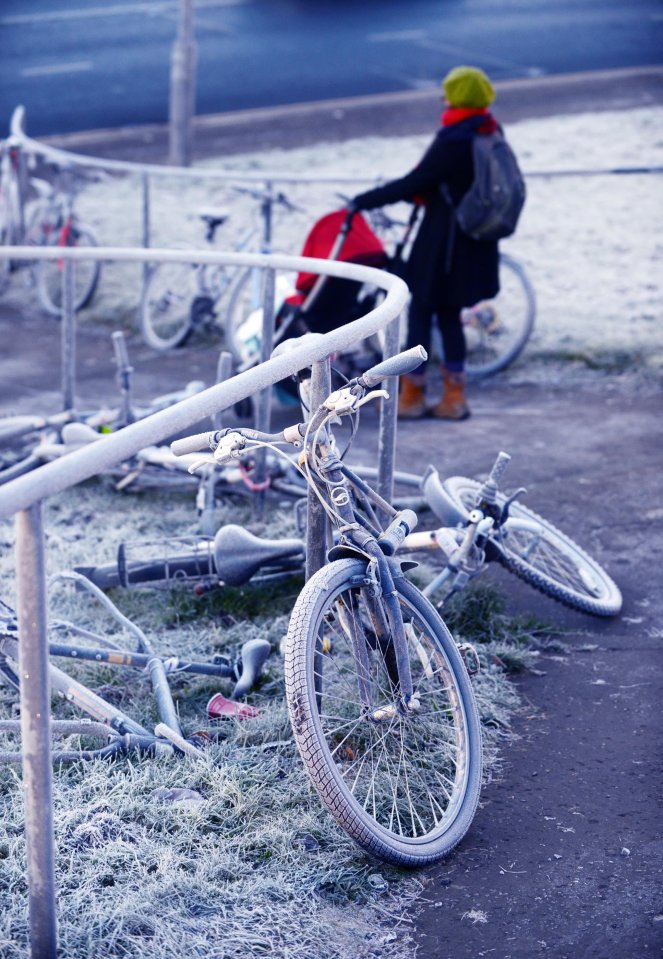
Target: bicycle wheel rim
86, 275
497, 330
537, 552
165, 312
405, 787
242, 331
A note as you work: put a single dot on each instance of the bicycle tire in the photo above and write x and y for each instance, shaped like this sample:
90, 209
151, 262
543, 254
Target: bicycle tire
547, 559
241, 303
497, 330
86, 274
445, 774
5, 240
245, 303
165, 307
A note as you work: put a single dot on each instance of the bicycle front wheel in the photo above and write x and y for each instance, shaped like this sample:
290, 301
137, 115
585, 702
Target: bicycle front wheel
405, 787
537, 552
86, 272
497, 330
165, 309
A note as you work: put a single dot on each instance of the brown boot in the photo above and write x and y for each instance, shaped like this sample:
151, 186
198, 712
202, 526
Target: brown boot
411, 399
453, 405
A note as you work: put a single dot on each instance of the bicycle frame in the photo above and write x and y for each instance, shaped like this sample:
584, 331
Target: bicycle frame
356, 538
331, 481
123, 731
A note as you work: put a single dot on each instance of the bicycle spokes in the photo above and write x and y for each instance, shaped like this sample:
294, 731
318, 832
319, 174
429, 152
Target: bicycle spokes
402, 766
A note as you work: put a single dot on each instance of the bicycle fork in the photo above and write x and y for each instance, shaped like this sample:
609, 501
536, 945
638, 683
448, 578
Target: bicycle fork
385, 636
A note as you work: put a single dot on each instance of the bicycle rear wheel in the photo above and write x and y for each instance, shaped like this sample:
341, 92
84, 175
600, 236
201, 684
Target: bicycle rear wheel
405, 787
496, 330
537, 552
86, 272
165, 309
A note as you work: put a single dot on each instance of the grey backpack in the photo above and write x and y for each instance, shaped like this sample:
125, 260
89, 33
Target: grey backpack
491, 207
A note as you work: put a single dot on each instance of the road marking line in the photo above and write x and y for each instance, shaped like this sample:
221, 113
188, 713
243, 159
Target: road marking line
160, 6
80, 66
396, 36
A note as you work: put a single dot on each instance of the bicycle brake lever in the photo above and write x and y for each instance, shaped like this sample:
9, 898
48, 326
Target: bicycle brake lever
504, 515
346, 401
373, 395
197, 465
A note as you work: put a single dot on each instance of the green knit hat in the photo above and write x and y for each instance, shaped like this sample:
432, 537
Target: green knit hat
468, 87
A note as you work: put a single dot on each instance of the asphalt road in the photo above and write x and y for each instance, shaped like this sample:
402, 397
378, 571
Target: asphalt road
86, 65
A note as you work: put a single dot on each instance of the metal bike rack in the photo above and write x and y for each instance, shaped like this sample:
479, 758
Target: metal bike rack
23, 497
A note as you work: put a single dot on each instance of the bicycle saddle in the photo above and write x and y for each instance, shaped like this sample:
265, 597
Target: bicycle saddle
75, 434
438, 499
238, 554
213, 219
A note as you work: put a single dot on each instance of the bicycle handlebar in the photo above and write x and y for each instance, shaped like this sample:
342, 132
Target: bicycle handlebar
403, 362
193, 444
394, 366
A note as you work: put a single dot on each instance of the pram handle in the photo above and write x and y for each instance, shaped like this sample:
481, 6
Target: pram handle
333, 255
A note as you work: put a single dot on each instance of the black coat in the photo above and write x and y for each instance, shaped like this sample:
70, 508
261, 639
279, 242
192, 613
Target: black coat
438, 280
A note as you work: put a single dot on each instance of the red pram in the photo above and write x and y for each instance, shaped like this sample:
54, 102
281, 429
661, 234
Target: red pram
323, 303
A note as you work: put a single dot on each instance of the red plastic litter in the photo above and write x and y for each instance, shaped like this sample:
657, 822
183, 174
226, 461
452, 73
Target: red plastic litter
221, 708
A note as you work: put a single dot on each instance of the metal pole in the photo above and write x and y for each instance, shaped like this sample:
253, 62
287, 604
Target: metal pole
269, 285
316, 518
145, 179
206, 501
68, 337
182, 87
224, 370
35, 731
388, 414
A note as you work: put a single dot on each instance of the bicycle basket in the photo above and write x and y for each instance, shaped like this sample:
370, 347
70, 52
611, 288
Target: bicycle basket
167, 562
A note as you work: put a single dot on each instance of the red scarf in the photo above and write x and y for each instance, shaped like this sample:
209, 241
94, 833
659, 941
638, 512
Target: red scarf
454, 115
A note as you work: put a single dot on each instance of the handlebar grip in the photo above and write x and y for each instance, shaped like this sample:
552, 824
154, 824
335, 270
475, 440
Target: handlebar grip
394, 366
192, 444
499, 468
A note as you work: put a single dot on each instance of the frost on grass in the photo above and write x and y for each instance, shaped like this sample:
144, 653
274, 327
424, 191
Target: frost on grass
256, 867
475, 916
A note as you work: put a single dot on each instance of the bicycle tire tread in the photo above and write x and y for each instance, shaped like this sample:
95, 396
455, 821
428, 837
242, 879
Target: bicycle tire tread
306, 737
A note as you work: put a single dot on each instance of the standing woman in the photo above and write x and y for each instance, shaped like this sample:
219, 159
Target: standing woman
447, 270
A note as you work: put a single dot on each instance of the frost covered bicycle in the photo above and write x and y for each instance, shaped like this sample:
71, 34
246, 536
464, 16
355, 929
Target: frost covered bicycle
380, 701
180, 298
48, 218
483, 524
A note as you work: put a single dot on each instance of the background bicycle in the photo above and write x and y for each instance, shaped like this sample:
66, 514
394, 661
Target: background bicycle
35, 211
483, 524
179, 299
496, 330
